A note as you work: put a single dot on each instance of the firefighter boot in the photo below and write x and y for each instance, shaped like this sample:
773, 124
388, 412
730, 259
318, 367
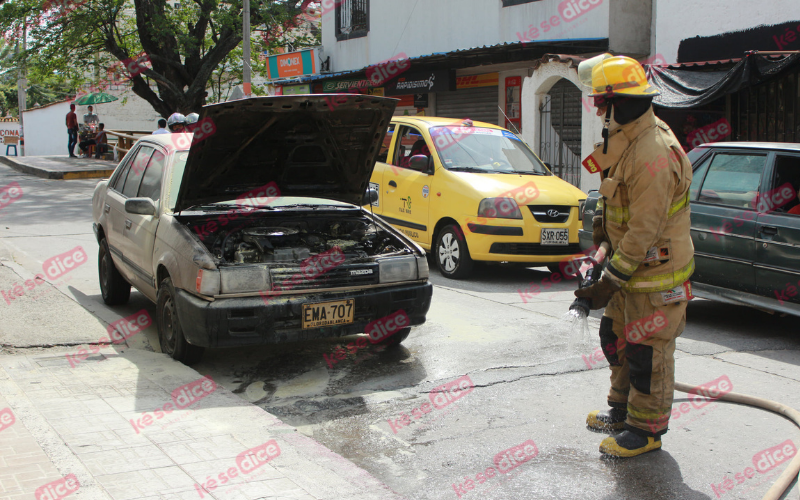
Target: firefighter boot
611, 420
627, 444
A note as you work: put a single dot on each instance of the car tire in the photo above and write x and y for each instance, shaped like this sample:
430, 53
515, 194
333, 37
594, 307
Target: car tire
170, 332
396, 338
113, 287
451, 253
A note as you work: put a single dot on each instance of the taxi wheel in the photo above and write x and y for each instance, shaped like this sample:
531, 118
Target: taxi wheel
170, 332
452, 254
113, 287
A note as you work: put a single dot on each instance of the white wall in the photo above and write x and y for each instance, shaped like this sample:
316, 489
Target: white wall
534, 89
676, 20
422, 28
46, 130
129, 112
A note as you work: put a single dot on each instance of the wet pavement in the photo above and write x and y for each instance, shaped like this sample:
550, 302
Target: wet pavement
374, 406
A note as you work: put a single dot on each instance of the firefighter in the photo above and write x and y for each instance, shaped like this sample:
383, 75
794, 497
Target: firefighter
644, 288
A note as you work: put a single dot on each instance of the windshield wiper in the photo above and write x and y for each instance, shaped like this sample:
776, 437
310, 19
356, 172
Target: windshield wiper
469, 169
314, 206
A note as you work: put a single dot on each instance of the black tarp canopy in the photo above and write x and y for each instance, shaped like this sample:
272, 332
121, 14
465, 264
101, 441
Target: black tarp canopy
685, 88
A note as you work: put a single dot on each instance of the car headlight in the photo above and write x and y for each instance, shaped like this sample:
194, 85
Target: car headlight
422, 268
244, 279
207, 282
398, 269
499, 208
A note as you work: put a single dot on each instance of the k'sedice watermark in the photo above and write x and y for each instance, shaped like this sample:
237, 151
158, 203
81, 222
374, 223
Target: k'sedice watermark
246, 462
763, 462
254, 199
440, 397
310, 268
700, 397
59, 488
118, 332
182, 398
7, 419
9, 194
504, 462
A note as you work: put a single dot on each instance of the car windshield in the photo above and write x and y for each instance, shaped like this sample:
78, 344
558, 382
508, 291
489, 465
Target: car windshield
176, 175
478, 149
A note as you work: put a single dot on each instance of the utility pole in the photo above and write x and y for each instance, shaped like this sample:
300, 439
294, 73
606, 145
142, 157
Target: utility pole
246, 49
22, 82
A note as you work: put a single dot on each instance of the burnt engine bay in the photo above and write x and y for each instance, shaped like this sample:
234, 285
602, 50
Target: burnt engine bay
295, 239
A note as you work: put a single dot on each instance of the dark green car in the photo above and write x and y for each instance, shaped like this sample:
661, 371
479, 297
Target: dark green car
745, 224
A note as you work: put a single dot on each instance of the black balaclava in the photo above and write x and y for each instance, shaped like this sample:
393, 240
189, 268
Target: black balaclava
628, 109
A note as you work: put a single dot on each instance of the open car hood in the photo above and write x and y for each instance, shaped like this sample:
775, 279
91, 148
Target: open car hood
320, 146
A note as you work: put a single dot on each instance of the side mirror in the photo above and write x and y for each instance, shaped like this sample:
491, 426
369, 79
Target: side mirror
370, 197
419, 163
140, 206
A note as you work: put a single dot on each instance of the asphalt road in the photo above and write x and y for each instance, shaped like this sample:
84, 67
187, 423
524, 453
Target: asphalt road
531, 374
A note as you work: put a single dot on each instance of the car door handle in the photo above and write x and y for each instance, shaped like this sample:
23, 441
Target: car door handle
128, 223
107, 208
770, 230
393, 184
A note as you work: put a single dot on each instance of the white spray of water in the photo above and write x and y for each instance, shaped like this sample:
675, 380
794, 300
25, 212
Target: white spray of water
578, 337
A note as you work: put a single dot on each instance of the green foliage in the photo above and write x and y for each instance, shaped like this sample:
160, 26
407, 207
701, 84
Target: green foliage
192, 45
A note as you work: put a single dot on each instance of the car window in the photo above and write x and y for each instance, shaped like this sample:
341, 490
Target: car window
409, 143
151, 182
697, 178
134, 177
118, 179
733, 180
383, 154
785, 184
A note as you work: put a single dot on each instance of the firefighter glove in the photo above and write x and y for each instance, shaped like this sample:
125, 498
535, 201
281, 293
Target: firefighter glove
600, 293
598, 233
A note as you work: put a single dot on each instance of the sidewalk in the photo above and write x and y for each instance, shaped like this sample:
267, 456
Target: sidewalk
60, 167
105, 421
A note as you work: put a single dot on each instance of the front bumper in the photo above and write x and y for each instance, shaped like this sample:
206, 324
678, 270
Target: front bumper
248, 321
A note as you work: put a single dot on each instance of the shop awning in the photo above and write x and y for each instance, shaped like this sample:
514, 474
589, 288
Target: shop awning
686, 88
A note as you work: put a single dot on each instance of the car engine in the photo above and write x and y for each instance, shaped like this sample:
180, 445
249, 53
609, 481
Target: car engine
264, 241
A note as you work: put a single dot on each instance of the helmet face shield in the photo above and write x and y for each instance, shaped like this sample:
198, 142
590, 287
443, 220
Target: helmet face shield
586, 68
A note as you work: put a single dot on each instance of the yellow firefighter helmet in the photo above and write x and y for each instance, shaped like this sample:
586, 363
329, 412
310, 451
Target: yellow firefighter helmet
609, 75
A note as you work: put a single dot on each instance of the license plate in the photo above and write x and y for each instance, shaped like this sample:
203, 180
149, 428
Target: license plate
555, 237
339, 312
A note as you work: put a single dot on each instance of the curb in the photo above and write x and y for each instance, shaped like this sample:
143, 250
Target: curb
56, 174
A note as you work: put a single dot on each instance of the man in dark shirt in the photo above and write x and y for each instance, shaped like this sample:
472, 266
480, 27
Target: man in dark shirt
72, 130
99, 140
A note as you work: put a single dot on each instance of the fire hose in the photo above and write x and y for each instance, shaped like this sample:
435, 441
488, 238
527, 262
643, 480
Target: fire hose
788, 476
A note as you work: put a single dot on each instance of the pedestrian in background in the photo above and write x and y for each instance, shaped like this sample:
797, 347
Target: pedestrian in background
72, 130
162, 127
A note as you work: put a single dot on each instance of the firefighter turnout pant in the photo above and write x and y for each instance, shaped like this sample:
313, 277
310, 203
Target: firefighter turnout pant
637, 334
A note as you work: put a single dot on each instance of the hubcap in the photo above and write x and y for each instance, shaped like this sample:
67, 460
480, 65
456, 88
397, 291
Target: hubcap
168, 325
449, 253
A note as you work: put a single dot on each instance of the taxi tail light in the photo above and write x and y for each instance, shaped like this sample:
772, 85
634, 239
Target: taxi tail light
499, 208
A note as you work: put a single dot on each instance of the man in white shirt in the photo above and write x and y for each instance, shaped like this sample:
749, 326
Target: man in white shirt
90, 118
162, 127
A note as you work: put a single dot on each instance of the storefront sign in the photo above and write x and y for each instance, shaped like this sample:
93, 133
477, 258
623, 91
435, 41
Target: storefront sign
292, 64
474, 81
296, 89
421, 82
420, 100
344, 86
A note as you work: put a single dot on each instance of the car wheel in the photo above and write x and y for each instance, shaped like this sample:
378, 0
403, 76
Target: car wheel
396, 338
113, 287
452, 254
170, 331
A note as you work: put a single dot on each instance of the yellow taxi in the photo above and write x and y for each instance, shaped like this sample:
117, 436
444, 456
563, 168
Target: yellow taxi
471, 191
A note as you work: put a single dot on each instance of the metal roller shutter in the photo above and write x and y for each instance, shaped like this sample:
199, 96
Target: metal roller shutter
479, 104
